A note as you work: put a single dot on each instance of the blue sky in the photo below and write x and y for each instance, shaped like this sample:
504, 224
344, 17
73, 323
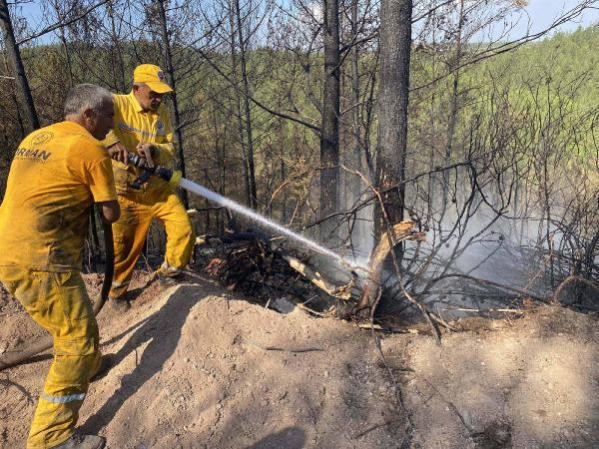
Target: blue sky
543, 12
537, 16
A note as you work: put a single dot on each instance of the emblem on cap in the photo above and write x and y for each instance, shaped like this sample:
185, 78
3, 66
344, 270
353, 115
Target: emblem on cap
161, 75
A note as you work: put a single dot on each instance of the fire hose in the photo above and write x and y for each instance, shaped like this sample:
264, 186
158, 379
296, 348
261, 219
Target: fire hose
174, 178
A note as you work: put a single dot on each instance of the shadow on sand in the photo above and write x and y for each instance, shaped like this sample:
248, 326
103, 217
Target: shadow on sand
162, 330
288, 438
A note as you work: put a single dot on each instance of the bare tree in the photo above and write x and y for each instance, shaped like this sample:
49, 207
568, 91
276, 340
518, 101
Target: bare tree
16, 63
329, 138
239, 47
395, 47
170, 72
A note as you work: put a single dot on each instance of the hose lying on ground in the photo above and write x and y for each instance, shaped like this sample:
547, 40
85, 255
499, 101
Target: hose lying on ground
20, 357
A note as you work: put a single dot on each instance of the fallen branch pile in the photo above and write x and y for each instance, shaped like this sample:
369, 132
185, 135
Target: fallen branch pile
272, 274
248, 262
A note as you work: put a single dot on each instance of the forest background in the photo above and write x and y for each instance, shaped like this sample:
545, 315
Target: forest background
285, 107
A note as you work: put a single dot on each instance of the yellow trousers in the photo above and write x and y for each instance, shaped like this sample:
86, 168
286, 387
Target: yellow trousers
131, 230
59, 303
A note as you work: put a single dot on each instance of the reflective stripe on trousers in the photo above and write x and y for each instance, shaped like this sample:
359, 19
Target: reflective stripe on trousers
63, 399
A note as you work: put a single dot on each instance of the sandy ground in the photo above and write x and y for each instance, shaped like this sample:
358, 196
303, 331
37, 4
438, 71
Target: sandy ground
199, 367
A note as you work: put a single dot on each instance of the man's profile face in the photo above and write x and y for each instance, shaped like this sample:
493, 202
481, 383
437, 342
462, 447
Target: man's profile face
102, 120
147, 98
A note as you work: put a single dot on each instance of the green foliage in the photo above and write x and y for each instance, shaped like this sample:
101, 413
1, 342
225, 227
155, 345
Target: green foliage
556, 78
548, 86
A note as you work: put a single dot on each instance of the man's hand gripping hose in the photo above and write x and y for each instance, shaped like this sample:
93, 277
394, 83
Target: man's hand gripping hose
173, 177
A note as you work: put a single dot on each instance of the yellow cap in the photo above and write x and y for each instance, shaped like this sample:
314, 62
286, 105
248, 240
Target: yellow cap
152, 76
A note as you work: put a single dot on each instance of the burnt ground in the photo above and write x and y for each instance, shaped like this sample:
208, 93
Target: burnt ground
199, 367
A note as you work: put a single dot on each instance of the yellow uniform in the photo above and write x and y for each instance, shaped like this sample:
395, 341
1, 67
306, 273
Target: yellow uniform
156, 199
56, 175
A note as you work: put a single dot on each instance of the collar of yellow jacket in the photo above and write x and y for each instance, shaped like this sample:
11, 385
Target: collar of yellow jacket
72, 127
136, 106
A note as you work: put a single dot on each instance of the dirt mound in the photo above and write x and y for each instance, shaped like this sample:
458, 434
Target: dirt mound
197, 367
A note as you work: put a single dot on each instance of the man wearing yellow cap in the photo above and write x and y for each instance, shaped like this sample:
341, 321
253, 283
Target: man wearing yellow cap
142, 125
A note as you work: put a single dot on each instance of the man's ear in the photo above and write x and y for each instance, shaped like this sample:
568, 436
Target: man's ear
88, 113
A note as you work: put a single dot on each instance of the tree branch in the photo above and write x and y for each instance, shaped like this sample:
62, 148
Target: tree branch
58, 25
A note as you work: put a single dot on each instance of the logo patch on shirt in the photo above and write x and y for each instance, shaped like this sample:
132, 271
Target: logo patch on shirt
42, 137
159, 126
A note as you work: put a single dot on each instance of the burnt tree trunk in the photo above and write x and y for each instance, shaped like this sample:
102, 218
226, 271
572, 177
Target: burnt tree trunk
117, 52
16, 63
395, 45
253, 197
170, 73
329, 141
454, 108
237, 107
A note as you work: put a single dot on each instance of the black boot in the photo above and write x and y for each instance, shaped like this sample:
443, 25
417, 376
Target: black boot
119, 305
83, 442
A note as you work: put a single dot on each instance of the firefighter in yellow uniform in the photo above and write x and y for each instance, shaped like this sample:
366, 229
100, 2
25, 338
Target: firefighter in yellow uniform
142, 126
55, 176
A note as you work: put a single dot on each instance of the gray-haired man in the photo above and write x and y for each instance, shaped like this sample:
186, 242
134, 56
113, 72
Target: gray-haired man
57, 173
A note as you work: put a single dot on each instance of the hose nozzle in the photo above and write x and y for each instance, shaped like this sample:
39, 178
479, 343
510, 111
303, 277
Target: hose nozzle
170, 176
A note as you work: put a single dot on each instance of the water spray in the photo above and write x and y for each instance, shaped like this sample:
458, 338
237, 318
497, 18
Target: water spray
175, 179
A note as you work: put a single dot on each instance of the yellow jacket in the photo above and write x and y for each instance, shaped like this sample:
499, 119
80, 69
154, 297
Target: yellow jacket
133, 126
56, 174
